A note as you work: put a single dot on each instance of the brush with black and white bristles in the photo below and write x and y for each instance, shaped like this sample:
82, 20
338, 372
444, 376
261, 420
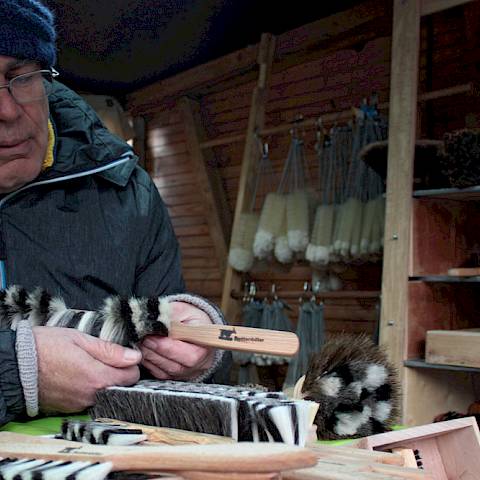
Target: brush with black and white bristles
127, 320
37, 469
355, 386
98, 433
238, 412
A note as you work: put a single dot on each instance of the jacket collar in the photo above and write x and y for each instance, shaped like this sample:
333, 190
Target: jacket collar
82, 142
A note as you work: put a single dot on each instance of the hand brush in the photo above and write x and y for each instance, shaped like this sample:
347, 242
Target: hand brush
241, 413
227, 459
127, 321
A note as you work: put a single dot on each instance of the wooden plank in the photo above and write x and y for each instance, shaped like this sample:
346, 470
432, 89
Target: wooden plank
432, 6
453, 347
188, 221
209, 183
173, 181
202, 241
402, 123
256, 122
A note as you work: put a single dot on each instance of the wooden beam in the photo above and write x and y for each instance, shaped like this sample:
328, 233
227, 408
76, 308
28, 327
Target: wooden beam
315, 34
209, 182
401, 141
433, 6
256, 122
310, 39
216, 71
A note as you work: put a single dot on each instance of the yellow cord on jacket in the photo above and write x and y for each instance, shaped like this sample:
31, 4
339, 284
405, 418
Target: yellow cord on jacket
48, 160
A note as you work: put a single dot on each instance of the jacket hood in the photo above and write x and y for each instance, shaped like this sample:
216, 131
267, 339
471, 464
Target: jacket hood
82, 143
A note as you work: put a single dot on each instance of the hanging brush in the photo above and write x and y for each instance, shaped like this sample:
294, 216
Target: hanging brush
283, 252
355, 386
293, 184
127, 320
237, 412
269, 225
311, 332
241, 256
274, 317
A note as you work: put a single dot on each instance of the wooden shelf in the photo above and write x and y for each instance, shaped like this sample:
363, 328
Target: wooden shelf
470, 193
444, 279
421, 363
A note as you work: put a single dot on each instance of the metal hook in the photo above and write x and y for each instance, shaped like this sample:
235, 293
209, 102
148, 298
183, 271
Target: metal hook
274, 291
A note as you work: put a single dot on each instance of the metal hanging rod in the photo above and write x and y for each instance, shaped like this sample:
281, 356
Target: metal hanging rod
343, 294
470, 88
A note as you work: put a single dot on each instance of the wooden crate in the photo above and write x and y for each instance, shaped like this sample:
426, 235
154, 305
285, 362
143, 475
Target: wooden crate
448, 450
453, 347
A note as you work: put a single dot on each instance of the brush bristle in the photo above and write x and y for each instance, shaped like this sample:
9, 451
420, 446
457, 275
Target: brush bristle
356, 388
27, 469
237, 412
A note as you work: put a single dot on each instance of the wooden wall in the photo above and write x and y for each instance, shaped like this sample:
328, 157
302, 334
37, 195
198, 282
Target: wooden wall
313, 74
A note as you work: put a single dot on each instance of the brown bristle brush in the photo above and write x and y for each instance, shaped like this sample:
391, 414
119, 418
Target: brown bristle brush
355, 386
127, 320
241, 413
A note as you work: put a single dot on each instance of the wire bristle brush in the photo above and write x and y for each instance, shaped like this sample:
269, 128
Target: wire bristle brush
238, 412
127, 320
355, 387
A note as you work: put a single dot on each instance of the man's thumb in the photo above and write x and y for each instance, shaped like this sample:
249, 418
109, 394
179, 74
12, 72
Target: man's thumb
111, 353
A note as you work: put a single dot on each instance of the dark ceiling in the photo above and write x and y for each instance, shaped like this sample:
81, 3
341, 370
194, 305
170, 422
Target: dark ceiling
116, 46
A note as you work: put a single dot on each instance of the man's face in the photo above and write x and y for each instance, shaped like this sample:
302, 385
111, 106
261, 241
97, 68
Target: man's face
23, 130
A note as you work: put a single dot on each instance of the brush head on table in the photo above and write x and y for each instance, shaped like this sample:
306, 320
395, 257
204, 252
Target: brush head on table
355, 386
237, 412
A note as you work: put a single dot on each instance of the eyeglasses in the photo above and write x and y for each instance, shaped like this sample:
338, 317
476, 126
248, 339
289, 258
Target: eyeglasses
31, 86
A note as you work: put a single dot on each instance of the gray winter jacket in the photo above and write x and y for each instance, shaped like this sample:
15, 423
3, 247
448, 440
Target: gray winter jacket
92, 225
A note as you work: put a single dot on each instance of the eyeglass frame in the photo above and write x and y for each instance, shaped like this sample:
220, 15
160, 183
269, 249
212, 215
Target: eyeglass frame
8, 85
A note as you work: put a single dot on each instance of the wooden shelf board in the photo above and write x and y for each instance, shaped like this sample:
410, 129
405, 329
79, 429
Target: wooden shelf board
470, 193
421, 363
444, 279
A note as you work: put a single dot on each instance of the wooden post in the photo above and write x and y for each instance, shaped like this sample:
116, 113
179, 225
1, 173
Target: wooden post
256, 121
402, 128
209, 182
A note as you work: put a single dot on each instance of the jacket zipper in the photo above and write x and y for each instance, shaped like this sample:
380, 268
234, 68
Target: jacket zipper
3, 254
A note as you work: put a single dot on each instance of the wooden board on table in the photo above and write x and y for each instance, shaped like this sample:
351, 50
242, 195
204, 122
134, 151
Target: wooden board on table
229, 458
453, 347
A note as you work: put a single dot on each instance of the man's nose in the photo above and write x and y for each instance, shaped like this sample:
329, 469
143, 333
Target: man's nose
9, 109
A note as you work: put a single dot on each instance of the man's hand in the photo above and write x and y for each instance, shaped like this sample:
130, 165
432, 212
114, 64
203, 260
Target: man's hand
73, 366
169, 359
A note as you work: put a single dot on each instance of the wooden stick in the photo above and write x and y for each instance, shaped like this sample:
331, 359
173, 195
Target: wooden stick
245, 339
239, 457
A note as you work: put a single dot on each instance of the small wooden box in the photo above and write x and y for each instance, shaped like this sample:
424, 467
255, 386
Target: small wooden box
453, 347
448, 450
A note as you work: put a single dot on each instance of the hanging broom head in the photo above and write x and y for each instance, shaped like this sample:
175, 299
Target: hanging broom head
355, 386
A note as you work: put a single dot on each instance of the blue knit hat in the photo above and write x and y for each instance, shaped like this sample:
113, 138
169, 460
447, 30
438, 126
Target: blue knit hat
27, 31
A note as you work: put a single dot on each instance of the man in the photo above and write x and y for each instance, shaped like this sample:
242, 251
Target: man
79, 218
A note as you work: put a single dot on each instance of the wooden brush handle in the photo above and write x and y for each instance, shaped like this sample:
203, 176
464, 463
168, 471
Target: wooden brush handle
232, 337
